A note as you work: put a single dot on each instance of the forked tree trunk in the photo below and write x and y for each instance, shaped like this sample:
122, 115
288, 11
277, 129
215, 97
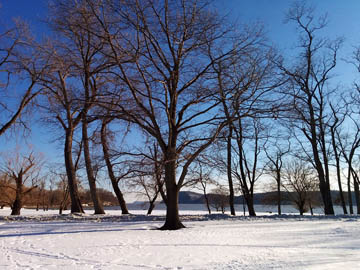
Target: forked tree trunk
172, 221
98, 207
76, 206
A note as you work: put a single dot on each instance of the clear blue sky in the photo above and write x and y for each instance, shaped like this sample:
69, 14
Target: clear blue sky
343, 16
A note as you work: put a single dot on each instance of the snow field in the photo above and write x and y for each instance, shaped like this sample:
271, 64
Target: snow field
131, 242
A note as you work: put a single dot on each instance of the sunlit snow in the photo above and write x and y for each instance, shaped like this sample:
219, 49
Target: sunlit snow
49, 241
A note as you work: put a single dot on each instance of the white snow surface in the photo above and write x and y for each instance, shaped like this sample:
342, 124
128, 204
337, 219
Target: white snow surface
113, 241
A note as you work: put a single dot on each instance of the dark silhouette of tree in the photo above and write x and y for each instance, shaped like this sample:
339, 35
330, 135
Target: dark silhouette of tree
275, 154
308, 89
173, 94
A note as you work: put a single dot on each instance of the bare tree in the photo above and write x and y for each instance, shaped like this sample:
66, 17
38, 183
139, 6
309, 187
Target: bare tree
244, 83
308, 89
218, 198
62, 192
23, 171
78, 27
173, 94
247, 171
201, 179
274, 166
148, 174
18, 62
299, 182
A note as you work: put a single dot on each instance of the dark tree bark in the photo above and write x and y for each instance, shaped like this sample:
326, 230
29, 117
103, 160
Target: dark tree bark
229, 172
278, 189
17, 205
351, 209
76, 206
172, 221
114, 180
98, 207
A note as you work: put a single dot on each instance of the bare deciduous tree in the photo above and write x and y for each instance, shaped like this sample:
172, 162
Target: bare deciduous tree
201, 179
274, 166
18, 62
23, 172
299, 182
309, 89
173, 94
218, 198
148, 174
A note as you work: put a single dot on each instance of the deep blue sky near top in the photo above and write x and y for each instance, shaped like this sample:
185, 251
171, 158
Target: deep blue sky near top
343, 21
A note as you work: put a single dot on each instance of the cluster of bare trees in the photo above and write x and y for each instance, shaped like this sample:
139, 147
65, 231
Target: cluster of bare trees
199, 89
22, 183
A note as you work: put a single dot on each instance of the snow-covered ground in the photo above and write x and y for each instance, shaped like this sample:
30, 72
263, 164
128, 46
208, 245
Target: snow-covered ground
49, 241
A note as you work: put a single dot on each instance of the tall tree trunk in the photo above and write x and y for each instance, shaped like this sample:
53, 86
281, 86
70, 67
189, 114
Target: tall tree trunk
17, 205
301, 209
343, 204
98, 207
338, 169
229, 174
172, 221
323, 177
114, 181
250, 203
326, 196
207, 202
278, 180
76, 206
351, 209
323, 184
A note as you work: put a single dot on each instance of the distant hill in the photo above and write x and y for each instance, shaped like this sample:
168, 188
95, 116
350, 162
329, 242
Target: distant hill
190, 197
